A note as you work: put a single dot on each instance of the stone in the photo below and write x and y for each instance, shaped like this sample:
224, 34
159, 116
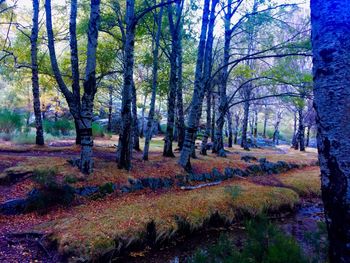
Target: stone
87, 190
14, 207
248, 158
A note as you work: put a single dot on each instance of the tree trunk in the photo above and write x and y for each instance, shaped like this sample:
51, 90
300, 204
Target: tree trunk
244, 140
125, 140
218, 146
295, 135
110, 108
331, 49
266, 116
143, 117
198, 94
212, 130
235, 140
229, 123
255, 131
206, 135
135, 123
39, 139
301, 138
149, 129
179, 100
86, 161
307, 141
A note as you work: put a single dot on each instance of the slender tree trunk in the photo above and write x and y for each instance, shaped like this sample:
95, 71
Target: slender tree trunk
266, 116
143, 117
212, 130
179, 100
255, 132
218, 146
301, 138
86, 161
39, 139
125, 137
204, 144
295, 135
331, 48
244, 140
229, 123
307, 141
235, 140
135, 122
198, 94
110, 108
149, 130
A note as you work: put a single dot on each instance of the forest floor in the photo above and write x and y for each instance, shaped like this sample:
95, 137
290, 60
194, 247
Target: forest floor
102, 226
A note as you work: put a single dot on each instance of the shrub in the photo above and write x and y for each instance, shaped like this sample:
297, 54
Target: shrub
70, 179
265, 244
234, 191
59, 127
50, 192
24, 138
10, 121
97, 130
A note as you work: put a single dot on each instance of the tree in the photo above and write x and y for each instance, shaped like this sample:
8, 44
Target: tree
39, 139
331, 48
81, 111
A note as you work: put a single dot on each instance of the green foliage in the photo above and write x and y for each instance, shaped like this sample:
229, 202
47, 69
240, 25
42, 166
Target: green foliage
97, 130
318, 240
10, 121
45, 177
59, 127
70, 179
265, 244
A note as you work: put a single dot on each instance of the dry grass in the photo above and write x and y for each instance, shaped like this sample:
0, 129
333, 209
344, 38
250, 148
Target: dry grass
98, 227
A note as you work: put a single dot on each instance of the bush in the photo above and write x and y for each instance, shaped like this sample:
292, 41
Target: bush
97, 130
265, 244
59, 127
10, 121
50, 192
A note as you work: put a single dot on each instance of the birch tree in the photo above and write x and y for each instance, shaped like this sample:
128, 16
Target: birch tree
331, 48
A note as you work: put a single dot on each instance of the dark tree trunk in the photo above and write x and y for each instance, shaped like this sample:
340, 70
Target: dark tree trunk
212, 130
229, 123
173, 80
110, 108
295, 135
255, 131
39, 139
235, 139
301, 137
149, 130
266, 116
244, 140
125, 136
198, 94
331, 48
135, 123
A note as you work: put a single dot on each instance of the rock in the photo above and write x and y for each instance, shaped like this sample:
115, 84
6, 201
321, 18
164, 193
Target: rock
125, 189
254, 169
239, 172
153, 183
196, 177
14, 207
217, 176
136, 185
248, 158
167, 182
229, 172
87, 190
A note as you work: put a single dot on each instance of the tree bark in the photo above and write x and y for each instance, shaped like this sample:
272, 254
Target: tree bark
86, 161
244, 140
110, 108
266, 116
229, 123
206, 135
331, 48
143, 117
307, 141
125, 140
135, 123
301, 138
198, 94
149, 129
235, 139
39, 139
